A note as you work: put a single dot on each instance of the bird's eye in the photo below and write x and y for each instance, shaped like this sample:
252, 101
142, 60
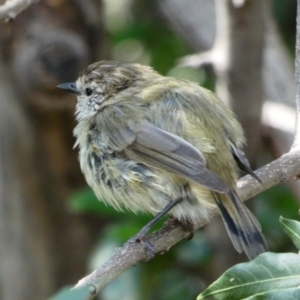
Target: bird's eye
88, 91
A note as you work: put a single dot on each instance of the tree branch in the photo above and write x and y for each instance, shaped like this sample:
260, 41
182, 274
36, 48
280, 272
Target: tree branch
280, 170
11, 8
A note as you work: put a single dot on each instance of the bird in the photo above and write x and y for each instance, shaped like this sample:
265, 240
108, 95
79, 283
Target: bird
162, 145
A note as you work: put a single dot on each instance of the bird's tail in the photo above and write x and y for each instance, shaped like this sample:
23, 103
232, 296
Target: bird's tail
242, 227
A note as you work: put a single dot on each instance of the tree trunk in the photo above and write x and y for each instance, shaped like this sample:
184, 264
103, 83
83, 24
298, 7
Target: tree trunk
43, 246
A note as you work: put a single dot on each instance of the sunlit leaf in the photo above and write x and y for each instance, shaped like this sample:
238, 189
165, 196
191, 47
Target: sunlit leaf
292, 229
267, 272
290, 294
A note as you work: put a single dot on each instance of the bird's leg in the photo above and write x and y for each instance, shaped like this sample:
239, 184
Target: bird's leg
140, 237
141, 234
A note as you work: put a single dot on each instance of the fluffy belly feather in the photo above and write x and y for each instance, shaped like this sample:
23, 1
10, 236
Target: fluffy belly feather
123, 183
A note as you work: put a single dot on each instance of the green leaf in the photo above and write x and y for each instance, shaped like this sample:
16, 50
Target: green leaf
67, 294
290, 294
292, 229
267, 272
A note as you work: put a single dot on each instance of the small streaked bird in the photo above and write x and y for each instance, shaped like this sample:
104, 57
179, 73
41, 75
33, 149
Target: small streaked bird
162, 145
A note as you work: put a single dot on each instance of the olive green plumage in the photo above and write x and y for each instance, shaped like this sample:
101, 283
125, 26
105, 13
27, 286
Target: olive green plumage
146, 139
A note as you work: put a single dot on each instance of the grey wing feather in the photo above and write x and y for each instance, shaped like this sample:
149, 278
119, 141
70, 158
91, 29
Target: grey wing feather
163, 150
242, 227
242, 161
157, 139
120, 138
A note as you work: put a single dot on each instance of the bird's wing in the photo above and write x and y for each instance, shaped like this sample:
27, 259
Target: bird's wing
147, 143
242, 161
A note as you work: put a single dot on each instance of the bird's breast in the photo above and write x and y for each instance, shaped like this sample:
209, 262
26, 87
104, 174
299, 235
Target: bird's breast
122, 182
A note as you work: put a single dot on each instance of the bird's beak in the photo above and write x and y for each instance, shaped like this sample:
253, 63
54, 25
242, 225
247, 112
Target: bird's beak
69, 86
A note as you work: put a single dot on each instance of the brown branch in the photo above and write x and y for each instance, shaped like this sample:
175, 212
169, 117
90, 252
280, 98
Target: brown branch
280, 170
11, 8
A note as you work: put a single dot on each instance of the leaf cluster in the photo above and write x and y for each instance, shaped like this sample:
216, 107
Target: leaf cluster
269, 276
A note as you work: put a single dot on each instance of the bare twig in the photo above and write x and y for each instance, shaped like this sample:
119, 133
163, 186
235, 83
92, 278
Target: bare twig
11, 8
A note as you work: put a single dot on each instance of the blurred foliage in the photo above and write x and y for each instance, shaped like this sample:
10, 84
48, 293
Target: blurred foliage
138, 39
270, 204
285, 13
67, 294
137, 34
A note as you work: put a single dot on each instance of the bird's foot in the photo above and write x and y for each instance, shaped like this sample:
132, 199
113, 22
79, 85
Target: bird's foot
148, 247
